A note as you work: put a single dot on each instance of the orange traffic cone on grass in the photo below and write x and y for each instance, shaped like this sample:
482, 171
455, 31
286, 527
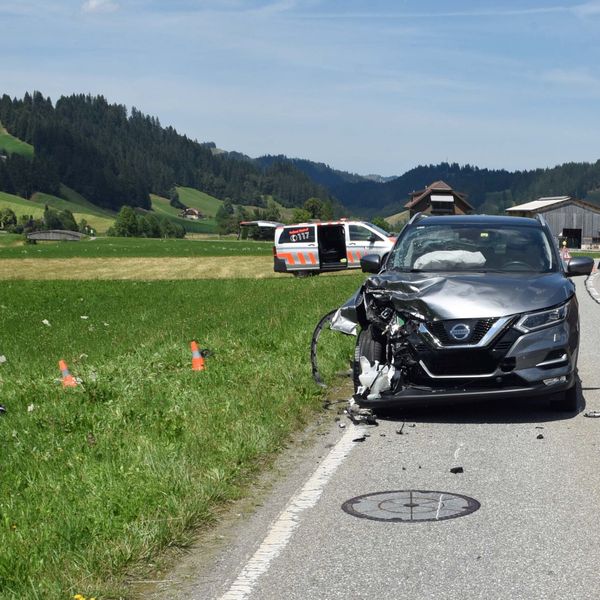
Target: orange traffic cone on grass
67, 379
197, 358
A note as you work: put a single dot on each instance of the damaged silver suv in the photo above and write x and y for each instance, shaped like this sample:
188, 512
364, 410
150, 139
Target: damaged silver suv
466, 307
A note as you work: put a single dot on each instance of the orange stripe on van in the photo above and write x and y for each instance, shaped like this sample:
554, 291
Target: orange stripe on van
312, 258
301, 258
287, 256
349, 256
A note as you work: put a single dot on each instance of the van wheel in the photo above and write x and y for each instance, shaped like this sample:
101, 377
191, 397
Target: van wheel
370, 345
305, 273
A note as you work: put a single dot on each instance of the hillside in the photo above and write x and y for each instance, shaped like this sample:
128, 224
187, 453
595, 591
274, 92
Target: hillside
11, 145
100, 220
113, 156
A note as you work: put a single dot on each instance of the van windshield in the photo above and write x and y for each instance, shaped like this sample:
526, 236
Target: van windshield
473, 247
383, 232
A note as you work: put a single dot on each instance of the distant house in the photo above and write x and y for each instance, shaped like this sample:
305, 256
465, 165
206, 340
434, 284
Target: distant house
438, 199
574, 221
191, 213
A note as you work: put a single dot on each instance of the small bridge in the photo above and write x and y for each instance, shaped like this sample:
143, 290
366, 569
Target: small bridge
55, 235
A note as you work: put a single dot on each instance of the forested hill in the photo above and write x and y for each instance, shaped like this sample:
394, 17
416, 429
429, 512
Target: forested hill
115, 157
489, 190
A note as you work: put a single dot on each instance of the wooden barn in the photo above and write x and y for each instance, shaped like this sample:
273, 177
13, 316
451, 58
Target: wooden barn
573, 220
438, 199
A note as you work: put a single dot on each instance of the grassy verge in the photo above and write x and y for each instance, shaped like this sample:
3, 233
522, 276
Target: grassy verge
99, 478
134, 247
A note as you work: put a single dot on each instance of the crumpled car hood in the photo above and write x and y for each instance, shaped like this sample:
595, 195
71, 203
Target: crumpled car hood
474, 295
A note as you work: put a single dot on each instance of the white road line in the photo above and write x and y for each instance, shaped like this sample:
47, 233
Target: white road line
456, 452
282, 530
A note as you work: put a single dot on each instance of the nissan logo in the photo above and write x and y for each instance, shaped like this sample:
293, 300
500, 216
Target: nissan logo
460, 332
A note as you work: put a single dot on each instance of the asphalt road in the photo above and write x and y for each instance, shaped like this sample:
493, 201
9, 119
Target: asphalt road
535, 536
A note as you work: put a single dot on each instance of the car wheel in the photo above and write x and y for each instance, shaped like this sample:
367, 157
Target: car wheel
370, 345
567, 401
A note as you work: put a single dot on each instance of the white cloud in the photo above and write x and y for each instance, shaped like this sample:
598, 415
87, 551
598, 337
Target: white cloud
587, 9
99, 6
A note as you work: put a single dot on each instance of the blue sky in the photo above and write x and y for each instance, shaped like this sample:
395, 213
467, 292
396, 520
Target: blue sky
374, 86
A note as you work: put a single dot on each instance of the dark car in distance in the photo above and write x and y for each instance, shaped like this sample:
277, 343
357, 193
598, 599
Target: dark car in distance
466, 307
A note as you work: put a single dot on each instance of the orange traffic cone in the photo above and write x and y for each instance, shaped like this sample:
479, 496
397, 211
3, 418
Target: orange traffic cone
67, 379
197, 358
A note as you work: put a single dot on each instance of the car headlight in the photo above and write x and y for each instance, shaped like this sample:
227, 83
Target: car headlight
539, 320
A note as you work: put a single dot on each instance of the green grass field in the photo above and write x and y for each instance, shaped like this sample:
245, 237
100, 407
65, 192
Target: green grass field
13, 246
98, 479
13, 145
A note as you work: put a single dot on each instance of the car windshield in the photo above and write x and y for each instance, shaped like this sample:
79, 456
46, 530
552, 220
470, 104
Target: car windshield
473, 247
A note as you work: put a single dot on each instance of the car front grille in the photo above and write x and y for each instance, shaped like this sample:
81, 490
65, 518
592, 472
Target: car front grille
442, 330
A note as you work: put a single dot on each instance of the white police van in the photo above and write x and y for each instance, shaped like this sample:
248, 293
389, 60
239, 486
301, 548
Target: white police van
311, 248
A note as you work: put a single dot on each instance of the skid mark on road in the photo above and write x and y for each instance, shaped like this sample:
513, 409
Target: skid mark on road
288, 521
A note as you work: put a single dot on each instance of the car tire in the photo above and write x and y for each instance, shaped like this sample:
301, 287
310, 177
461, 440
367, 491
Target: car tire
370, 345
567, 401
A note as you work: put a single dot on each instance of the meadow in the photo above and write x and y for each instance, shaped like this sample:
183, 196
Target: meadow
13, 246
99, 479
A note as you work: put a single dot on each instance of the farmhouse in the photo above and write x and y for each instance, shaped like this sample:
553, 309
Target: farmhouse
438, 199
191, 213
569, 219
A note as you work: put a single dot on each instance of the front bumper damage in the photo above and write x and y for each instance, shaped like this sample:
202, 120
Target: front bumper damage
416, 368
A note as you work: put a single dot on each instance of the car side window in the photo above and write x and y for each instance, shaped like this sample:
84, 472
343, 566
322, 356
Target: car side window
358, 233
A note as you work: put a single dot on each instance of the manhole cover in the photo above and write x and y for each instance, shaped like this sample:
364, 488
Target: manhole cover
408, 506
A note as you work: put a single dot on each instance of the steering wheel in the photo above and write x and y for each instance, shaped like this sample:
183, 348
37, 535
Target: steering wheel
517, 265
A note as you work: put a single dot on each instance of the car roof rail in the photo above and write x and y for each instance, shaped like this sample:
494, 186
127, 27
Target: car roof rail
416, 218
541, 219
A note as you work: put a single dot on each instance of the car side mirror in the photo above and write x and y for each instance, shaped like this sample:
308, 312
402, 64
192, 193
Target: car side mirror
579, 265
371, 263
373, 238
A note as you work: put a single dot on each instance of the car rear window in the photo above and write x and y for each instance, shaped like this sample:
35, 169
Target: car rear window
297, 235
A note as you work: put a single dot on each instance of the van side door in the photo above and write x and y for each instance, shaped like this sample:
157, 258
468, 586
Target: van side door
297, 246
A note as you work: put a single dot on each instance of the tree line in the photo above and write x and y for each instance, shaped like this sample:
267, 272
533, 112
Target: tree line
116, 157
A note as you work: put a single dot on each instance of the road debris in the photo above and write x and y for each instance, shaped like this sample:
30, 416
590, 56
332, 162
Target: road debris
2, 359
362, 438
401, 430
2, 409
342, 425
457, 470
539, 437
30, 407
360, 416
46, 322
592, 414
